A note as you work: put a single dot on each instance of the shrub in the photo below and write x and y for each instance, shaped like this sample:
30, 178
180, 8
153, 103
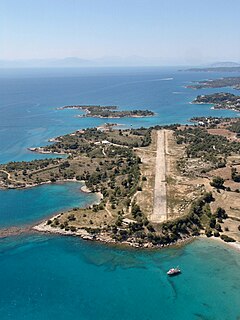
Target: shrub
150, 228
216, 234
208, 197
71, 217
208, 232
220, 213
212, 222
227, 238
217, 182
218, 227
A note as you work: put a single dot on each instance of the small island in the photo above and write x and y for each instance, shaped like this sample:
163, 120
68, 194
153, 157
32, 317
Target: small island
227, 101
97, 111
233, 82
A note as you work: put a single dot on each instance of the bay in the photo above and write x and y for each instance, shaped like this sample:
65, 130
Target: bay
27, 206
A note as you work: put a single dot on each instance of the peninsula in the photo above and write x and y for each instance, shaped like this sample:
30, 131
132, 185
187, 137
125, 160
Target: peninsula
157, 186
94, 111
227, 101
233, 82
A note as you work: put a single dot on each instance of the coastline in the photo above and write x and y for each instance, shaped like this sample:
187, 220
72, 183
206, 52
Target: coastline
234, 245
114, 117
105, 237
40, 150
215, 107
88, 113
84, 188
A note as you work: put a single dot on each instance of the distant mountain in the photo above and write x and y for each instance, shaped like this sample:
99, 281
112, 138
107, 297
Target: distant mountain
126, 61
218, 67
45, 63
227, 64
79, 62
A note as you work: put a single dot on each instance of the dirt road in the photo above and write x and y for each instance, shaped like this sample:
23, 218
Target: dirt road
160, 191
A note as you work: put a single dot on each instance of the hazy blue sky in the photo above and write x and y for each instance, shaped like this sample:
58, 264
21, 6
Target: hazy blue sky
175, 31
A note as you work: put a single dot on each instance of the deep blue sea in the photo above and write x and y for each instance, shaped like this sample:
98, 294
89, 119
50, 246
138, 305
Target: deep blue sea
53, 277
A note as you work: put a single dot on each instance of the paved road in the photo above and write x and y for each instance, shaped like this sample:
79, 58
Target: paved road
160, 191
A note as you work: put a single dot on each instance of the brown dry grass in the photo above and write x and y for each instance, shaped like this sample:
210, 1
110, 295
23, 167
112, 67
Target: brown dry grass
224, 133
88, 218
147, 155
181, 190
228, 200
231, 225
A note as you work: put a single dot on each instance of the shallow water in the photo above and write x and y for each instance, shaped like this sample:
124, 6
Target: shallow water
56, 277
27, 206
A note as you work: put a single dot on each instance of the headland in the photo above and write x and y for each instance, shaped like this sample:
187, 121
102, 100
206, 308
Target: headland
225, 101
233, 82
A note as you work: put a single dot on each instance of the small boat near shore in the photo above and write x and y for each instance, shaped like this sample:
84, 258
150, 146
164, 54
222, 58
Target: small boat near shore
173, 271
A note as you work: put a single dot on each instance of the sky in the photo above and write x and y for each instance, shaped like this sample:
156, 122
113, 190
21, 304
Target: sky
162, 31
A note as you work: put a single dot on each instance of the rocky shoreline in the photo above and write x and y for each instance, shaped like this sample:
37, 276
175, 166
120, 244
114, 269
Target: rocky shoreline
42, 151
105, 237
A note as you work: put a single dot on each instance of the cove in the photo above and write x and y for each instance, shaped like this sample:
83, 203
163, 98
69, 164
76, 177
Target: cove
27, 206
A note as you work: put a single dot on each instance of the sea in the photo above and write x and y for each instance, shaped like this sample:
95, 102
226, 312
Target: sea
59, 277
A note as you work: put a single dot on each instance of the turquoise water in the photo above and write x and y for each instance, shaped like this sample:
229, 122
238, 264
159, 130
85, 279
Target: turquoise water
21, 207
28, 101
66, 278
52, 277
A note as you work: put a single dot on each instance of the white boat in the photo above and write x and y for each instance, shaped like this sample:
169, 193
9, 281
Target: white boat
173, 271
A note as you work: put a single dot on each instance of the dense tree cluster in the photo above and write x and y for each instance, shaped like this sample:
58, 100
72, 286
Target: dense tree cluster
201, 144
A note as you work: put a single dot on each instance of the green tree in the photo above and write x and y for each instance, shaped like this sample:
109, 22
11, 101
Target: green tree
208, 232
217, 182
